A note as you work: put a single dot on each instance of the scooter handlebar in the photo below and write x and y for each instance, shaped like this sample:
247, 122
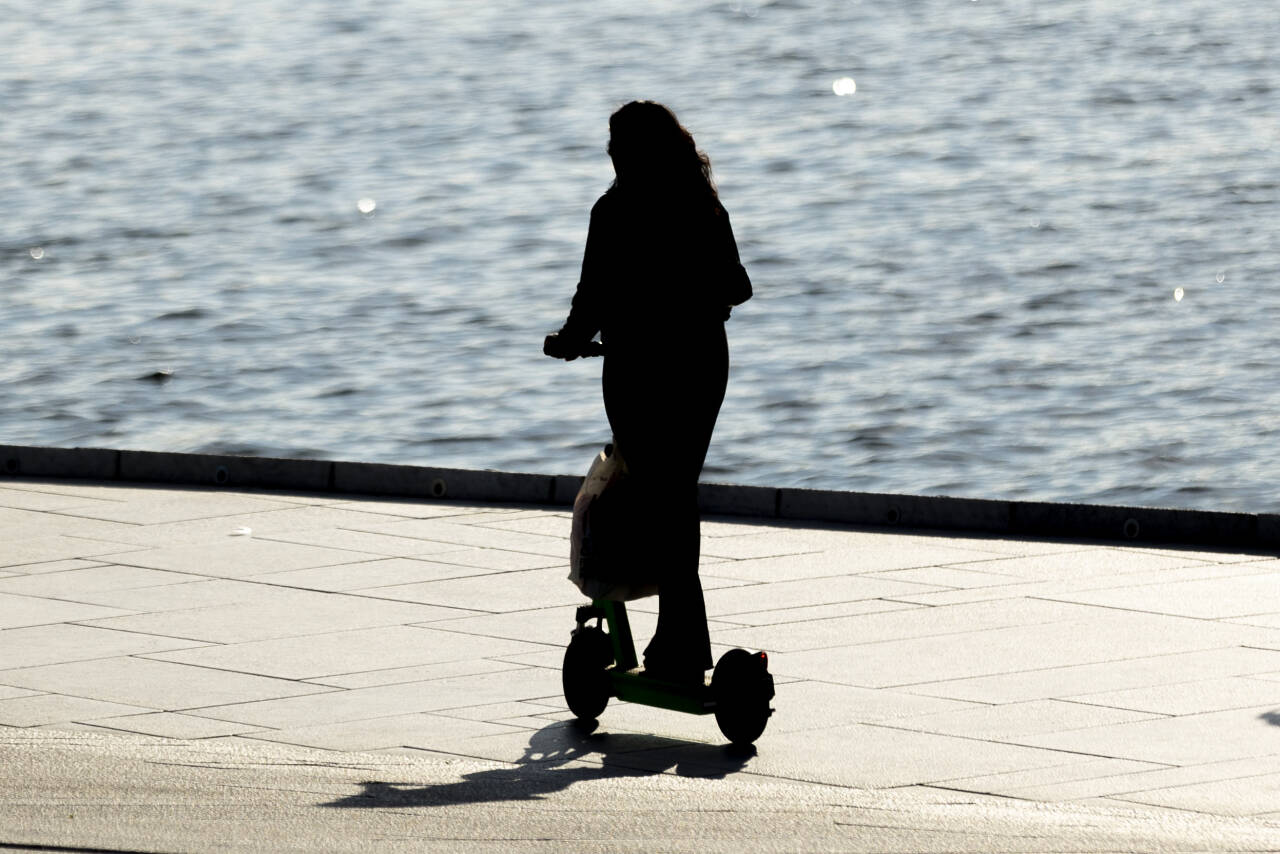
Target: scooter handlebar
557, 348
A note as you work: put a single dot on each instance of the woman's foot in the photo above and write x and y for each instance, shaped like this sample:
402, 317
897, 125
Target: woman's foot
681, 674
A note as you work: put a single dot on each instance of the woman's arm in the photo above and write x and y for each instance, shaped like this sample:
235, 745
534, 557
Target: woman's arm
586, 314
735, 284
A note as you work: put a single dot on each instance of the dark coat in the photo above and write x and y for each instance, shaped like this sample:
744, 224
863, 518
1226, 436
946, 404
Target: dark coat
655, 268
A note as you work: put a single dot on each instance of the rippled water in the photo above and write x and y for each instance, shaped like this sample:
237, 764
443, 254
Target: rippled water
341, 229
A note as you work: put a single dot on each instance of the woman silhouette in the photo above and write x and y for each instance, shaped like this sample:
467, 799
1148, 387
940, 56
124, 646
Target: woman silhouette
659, 275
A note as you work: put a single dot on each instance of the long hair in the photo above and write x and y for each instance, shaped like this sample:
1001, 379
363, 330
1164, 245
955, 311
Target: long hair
653, 152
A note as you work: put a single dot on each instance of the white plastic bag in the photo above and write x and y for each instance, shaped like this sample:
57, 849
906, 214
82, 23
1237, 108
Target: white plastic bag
602, 553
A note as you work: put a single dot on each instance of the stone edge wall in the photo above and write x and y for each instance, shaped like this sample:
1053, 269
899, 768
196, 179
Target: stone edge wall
1237, 531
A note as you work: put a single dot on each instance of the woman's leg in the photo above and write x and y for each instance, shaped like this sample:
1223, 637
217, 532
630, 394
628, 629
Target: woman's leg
681, 639
663, 412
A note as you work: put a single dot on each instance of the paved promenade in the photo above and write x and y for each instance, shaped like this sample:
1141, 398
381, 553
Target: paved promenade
273, 667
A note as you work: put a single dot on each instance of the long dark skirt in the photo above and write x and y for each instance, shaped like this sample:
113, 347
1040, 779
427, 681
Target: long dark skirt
662, 407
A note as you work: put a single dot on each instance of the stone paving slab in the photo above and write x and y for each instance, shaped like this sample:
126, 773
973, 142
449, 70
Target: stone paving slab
497, 593
362, 541
39, 709
906, 624
238, 555
17, 611
1005, 723
1182, 740
1271, 621
40, 548
808, 613
997, 649
424, 730
1080, 681
359, 704
1190, 698
154, 684
1029, 670
745, 598
1243, 795
424, 672
290, 613
383, 572
292, 519
89, 579
338, 653
1211, 599
173, 725
458, 533
173, 507
61, 643
26, 499
18, 525
1052, 783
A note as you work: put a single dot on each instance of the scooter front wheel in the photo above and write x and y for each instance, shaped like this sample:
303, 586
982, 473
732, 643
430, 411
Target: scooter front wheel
742, 687
586, 682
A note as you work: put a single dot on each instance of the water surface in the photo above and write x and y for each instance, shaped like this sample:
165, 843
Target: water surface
1033, 256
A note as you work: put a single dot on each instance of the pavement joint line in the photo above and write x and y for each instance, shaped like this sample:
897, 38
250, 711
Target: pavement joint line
1007, 742
555, 667
950, 634
1155, 715
69, 849
359, 592
1109, 607
896, 601
125, 547
514, 665
474, 612
939, 785
985, 704
1072, 666
275, 729
147, 656
444, 628
902, 727
466, 547
1121, 795
1185, 809
785, 608
201, 642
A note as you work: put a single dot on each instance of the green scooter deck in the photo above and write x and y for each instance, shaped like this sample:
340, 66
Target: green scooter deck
634, 687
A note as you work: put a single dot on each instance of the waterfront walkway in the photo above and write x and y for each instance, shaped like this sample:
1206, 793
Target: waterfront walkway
266, 669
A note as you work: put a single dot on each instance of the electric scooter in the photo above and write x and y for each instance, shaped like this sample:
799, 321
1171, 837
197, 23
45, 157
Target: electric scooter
600, 663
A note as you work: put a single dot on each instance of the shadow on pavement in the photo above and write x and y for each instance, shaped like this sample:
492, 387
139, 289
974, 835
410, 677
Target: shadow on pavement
541, 770
1272, 718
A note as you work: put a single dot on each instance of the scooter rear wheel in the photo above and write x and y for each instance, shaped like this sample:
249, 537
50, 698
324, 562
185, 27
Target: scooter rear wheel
584, 676
742, 688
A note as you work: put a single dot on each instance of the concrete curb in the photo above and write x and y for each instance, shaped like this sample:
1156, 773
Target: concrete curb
1238, 531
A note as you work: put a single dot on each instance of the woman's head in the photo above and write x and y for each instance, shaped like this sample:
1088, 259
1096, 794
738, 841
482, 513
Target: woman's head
651, 149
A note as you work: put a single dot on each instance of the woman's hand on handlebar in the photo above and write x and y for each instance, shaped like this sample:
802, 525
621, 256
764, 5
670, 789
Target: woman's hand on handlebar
558, 348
